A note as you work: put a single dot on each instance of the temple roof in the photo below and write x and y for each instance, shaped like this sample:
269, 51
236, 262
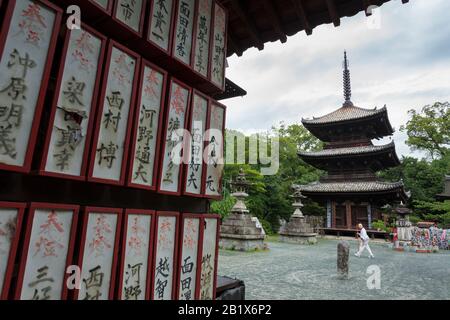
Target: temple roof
346, 113
256, 22
350, 187
348, 151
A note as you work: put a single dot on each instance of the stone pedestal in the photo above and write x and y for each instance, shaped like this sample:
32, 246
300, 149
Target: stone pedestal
240, 232
297, 230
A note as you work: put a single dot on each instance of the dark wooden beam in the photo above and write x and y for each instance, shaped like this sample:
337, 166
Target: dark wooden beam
334, 15
366, 5
248, 22
274, 19
234, 45
301, 13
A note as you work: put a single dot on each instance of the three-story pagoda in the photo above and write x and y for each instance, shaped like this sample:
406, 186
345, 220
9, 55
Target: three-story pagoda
351, 191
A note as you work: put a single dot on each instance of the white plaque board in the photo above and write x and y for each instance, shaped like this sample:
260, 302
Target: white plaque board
130, 13
164, 274
188, 263
178, 107
219, 47
182, 43
209, 252
198, 124
215, 162
161, 23
45, 263
22, 67
98, 256
74, 104
137, 250
115, 110
147, 128
8, 223
202, 36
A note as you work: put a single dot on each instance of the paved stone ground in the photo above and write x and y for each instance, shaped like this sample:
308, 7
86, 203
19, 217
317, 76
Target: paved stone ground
290, 271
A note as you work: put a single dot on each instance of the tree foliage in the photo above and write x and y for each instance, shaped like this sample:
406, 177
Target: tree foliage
429, 130
269, 196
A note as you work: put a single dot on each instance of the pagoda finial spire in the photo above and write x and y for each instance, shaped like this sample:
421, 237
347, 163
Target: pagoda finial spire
347, 83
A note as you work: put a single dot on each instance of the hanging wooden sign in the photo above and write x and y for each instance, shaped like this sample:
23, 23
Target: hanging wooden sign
109, 153
68, 138
188, 260
202, 37
160, 27
130, 14
48, 251
98, 253
184, 26
136, 258
11, 216
215, 151
165, 254
210, 252
219, 46
147, 132
194, 173
27, 41
174, 140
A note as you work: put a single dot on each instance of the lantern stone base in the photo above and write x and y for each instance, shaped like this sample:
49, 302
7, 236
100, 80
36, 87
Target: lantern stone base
239, 232
298, 231
299, 238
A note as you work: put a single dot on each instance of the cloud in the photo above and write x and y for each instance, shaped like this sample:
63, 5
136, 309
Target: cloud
405, 64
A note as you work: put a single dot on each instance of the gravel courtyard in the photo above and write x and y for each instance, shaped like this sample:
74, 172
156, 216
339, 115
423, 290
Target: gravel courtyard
290, 271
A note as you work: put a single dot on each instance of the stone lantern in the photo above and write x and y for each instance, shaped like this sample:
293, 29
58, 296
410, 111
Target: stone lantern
240, 231
297, 230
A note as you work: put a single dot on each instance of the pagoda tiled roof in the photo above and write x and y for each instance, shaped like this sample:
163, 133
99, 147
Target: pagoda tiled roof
345, 113
349, 187
360, 150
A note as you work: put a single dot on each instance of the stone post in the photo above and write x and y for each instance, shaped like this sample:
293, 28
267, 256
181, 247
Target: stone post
343, 250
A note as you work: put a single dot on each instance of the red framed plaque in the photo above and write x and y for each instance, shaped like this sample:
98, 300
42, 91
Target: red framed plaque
202, 37
194, 173
164, 285
147, 131
130, 14
160, 26
99, 253
109, 152
170, 179
27, 42
182, 43
219, 46
68, 137
189, 258
47, 252
137, 255
214, 151
11, 217
209, 257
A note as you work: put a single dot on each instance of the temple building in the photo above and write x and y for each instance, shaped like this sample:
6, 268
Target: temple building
351, 191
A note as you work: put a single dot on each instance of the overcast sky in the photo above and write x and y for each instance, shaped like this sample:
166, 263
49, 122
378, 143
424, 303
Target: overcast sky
404, 64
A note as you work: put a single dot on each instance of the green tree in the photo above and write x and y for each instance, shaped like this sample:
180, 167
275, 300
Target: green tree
429, 130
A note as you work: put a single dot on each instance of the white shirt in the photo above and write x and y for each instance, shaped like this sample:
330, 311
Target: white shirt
363, 234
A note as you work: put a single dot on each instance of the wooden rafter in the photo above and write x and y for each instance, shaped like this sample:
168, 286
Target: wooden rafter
334, 15
274, 19
248, 22
301, 13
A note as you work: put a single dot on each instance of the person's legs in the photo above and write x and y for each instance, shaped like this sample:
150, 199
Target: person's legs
366, 245
361, 249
